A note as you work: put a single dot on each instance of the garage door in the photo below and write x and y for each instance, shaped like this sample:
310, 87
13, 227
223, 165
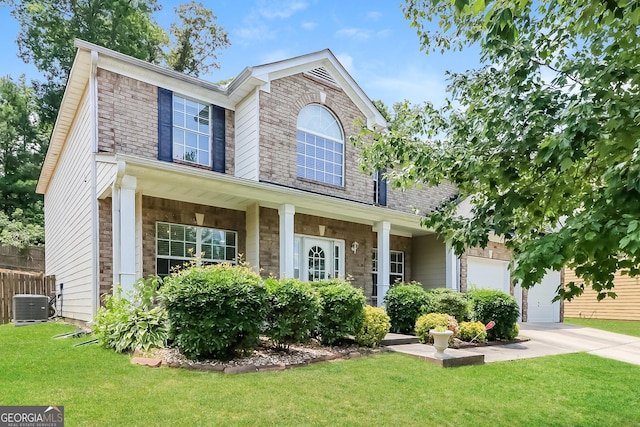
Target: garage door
487, 273
540, 308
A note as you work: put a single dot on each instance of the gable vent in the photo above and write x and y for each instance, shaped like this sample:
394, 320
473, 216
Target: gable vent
322, 74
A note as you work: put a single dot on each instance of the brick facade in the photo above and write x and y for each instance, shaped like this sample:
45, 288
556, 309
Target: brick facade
127, 115
278, 119
128, 119
358, 266
128, 124
105, 247
164, 210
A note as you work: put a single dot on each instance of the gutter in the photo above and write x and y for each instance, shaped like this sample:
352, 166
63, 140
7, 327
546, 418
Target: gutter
95, 235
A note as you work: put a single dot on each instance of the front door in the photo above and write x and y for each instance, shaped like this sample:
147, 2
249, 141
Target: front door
317, 259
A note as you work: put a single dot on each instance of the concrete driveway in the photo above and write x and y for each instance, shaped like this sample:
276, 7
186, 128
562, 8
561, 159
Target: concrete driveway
560, 338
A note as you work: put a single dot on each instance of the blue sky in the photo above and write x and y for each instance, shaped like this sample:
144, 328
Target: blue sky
372, 39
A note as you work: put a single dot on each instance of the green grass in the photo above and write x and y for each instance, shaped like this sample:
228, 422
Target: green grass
98, 387
627, 327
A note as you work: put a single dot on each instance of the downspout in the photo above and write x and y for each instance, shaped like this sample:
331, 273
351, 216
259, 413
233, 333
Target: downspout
95, 235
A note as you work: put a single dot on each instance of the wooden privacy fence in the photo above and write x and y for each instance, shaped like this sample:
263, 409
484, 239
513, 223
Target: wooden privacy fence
19, 282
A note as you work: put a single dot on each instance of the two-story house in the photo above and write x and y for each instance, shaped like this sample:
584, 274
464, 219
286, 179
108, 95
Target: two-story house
148, 168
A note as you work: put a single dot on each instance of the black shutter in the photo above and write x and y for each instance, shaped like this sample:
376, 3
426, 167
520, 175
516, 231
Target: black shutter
382, 188
165, 125
218, 138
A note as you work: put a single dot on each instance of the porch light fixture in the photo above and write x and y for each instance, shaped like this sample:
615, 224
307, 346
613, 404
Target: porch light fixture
199, 219
321, 229
354, 247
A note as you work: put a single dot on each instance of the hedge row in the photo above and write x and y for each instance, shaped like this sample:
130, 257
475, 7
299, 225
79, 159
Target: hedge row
221, 310
406, 303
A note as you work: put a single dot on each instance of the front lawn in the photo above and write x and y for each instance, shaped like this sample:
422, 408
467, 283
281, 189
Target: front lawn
98, 387
627, 327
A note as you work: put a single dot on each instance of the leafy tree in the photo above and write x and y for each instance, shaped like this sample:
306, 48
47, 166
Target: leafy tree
23, 139
19, 231
49, 27
543, 138
196, 39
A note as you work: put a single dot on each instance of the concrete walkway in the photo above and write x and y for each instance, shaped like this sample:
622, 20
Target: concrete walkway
549, 339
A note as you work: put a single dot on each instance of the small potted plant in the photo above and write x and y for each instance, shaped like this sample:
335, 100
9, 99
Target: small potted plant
441, 335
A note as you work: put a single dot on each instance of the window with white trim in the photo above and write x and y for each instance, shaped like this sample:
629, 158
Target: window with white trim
191, 131
178, 244
396, 270
319, 146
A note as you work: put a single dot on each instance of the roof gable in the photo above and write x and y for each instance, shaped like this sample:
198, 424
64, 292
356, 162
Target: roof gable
321, 65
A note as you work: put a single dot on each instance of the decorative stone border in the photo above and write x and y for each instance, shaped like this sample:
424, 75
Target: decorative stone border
242, 369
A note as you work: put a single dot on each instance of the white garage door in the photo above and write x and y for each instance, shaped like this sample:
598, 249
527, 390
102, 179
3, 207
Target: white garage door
487, 273
541, 309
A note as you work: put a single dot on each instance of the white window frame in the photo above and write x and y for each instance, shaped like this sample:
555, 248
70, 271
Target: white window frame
307, 159
393, 277
334, 259
187, 131
198, 251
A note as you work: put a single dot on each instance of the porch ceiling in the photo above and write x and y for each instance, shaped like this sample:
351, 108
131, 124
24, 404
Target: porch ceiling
189, 184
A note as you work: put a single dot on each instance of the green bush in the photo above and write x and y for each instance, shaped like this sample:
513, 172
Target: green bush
426, 322
293, 311
488, 305
375, 327
134, 321
341, 310
471, 330
404, 304
451, 302
215, 311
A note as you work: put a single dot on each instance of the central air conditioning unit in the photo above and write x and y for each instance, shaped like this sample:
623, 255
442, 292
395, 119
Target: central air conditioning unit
29, 309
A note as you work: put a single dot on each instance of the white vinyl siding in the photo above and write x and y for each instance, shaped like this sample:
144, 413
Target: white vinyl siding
428, 261
68, 231
106, 174
247, 138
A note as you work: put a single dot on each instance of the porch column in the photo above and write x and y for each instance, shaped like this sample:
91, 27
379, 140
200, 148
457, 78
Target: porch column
452, 268
253, 236
384, 259
127, 270
287, 213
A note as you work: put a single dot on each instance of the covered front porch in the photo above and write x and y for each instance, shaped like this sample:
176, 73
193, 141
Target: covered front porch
280, 231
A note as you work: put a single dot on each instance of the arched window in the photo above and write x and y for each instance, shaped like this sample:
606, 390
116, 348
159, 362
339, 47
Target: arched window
317, 267
320, 146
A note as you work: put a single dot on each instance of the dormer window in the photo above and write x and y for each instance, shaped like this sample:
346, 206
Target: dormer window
320, 146
191, 131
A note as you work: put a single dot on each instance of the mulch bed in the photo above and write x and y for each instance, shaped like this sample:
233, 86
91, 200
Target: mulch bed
265, 358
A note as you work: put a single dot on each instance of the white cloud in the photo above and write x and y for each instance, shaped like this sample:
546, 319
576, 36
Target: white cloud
354, 33
253, 32
373, 15
347, 61
384, 33
280, 9
309, 25
410, 83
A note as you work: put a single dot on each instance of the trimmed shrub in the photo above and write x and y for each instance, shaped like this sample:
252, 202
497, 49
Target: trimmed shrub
292, 313
471, 330
494, 305
404, 304
426, 322
215, 311
134, 321
375, 327
341, 310
450, 302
